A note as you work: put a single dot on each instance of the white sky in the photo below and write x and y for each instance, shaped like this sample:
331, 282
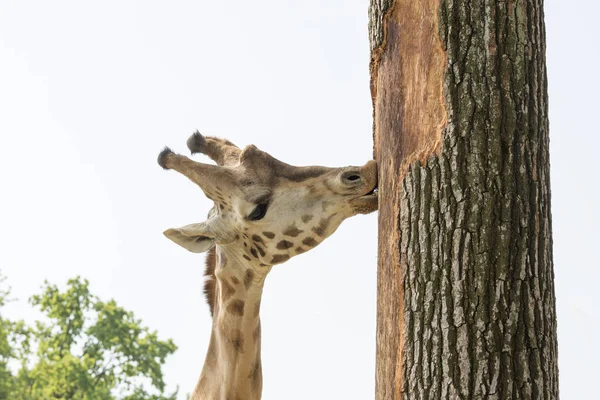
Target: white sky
91, 92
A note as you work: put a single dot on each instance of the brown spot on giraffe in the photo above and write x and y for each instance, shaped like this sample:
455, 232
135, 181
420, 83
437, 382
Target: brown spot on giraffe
227, 290
284, 244
323, 224
310, 242
247, 257
279, 258
254, 253
248, 278
260, 250
257, 239
235, 280
236, 307
306, 218
269, 235
292, 231
236, 338
300, 250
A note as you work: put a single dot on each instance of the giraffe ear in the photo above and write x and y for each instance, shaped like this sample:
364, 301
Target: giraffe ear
196, 238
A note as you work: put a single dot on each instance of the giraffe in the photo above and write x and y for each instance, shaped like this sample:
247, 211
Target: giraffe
265, 212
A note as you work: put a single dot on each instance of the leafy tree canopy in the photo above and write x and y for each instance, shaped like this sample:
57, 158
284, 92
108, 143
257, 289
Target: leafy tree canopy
86, 349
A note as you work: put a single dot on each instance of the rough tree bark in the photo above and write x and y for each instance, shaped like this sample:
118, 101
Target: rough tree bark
466, 306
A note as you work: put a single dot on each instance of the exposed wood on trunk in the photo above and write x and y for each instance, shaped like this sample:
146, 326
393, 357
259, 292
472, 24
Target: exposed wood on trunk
466, 305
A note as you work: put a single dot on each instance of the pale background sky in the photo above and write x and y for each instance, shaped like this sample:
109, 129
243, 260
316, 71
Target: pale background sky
90, 93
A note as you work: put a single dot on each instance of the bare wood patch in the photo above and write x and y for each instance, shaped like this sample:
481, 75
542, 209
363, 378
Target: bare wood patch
407, 83
409, 110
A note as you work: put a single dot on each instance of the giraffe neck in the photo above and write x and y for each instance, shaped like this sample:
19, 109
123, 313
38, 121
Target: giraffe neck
232, 369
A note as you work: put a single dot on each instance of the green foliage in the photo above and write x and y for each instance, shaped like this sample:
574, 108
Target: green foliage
87, 349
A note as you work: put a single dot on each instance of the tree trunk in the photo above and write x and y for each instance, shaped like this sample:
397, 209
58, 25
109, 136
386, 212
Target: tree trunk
466, 305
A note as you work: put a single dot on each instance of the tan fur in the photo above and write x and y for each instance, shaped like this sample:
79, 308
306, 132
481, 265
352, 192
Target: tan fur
265, 212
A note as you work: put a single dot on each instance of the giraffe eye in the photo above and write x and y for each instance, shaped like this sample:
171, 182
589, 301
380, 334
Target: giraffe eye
259, 212
353, 177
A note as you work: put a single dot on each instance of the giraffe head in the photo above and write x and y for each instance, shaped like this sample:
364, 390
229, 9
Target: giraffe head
268, 210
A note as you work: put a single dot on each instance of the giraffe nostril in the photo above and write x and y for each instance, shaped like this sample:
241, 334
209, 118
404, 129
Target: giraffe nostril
351, 177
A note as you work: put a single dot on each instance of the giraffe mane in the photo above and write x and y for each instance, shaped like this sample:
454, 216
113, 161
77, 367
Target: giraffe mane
209, 278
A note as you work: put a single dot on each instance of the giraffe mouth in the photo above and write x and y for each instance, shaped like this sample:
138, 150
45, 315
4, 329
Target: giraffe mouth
373, 192
371, 195
368, 202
